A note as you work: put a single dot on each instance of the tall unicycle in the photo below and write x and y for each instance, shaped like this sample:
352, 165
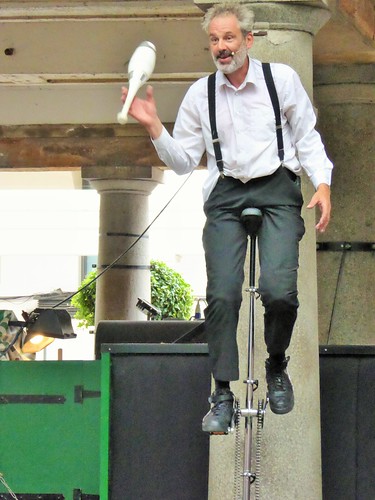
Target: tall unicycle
252, 220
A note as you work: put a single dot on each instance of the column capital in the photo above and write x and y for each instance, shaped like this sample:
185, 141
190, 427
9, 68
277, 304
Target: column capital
288, 15
141, 180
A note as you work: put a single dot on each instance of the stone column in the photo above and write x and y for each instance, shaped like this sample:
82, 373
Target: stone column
123, 218
291, 451
345, 96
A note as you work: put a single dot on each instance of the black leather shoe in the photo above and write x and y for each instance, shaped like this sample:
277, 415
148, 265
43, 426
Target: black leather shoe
218, 419
280, 389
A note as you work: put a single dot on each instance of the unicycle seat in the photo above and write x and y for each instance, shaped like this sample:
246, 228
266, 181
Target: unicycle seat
251, 218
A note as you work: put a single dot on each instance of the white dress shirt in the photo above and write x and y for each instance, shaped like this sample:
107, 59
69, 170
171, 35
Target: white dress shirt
246, 129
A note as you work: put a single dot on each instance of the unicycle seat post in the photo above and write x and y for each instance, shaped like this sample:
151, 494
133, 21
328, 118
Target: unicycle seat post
251, 218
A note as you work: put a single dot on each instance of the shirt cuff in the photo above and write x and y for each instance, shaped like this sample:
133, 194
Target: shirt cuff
162, 141
321, 177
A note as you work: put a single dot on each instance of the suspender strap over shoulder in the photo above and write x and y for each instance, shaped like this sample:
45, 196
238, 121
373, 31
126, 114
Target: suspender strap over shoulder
212, 112
276, 108
211, 87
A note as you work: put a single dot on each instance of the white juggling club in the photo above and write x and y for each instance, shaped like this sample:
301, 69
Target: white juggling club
140, 68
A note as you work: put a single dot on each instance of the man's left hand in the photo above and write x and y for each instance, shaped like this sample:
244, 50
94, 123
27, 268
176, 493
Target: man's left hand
322, 199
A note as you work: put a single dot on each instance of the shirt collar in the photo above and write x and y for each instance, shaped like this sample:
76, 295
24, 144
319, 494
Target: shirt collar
251, 76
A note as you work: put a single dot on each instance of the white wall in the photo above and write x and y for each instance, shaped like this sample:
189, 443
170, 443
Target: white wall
47, 224
176, 237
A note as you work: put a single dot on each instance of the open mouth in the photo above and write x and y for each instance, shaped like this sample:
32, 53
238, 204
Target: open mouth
224, 55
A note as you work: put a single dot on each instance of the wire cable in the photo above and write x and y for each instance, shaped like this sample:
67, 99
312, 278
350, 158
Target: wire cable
129, 248
338, 282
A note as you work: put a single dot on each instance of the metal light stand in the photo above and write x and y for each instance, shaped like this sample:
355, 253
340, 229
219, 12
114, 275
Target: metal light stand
252, 220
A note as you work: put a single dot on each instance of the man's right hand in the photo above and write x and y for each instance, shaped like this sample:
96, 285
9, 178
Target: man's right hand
145, 112
322, 199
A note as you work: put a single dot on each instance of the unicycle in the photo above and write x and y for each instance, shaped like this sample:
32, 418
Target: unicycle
251, 218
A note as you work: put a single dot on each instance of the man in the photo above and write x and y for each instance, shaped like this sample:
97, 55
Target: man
252, 176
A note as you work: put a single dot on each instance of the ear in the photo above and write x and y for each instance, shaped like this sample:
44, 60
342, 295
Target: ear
249, 40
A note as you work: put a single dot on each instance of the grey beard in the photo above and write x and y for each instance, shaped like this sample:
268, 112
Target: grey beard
237, 62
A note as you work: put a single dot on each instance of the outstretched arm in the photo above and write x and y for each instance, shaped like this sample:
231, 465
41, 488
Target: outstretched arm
322, 199
145, 112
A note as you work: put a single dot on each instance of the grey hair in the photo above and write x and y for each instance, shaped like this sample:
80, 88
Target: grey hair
244, 15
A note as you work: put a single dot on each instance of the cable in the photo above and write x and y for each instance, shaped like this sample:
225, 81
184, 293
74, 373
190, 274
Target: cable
21, 299
338, 282
129, 248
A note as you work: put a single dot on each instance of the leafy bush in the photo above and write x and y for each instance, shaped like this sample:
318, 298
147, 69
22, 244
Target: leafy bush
169, 292
84, 301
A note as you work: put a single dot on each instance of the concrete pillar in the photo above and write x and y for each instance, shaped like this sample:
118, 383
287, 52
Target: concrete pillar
291, 450
345, 96
123, 218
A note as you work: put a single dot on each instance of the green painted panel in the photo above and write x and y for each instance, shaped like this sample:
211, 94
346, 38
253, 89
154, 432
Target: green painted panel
50, 448
105, 423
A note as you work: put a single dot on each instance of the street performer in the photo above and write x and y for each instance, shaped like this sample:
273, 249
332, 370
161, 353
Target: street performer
253, 172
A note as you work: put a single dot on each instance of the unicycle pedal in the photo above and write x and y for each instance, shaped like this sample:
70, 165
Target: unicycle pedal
234, 420
233, 423
236, 415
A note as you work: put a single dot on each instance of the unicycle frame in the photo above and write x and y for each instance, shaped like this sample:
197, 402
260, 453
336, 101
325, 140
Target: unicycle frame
249, 412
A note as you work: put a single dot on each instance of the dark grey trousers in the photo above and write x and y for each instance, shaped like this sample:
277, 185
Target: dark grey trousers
279, 198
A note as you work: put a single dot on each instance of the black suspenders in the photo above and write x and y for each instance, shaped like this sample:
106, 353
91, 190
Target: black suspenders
276, 108
212, 113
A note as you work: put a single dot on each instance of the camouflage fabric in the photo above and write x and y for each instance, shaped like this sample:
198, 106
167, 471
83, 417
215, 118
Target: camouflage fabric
7, 333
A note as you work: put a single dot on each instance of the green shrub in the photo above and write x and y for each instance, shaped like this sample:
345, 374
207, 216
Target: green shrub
169, 292
84, 301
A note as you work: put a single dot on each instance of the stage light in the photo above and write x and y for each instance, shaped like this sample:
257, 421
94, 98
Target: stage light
19, 340
43, 326
35, 342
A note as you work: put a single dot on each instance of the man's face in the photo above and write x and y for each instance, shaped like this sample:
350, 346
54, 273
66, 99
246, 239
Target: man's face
227, 43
